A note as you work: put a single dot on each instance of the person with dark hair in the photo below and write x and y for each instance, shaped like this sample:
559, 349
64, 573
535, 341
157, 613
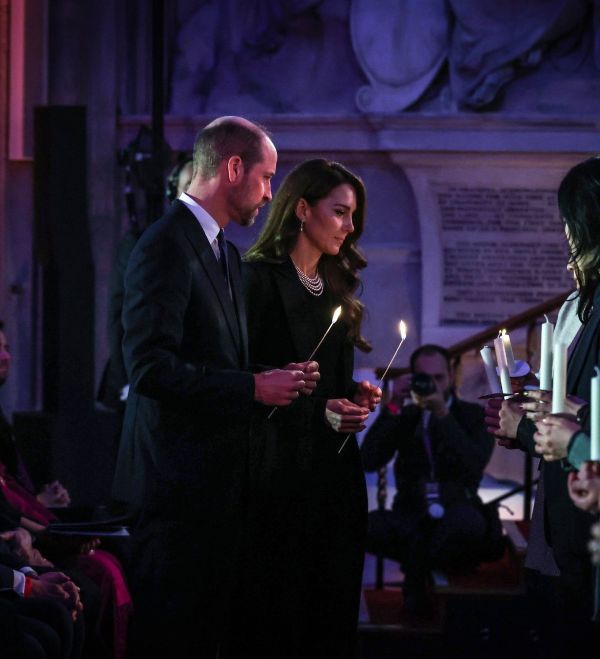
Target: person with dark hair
183, 459
562, 530
440, 448
308, 501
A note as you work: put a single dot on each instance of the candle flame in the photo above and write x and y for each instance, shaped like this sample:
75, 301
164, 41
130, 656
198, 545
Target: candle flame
546, 317
336, 315
402, 329
503, 332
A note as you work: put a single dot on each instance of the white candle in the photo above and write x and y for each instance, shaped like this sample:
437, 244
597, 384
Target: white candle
595, 416
490, 370
510, 358
546, 355
502, 365
559, 378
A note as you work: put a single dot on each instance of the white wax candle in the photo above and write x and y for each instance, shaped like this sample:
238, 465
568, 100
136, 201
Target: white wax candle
510, 358
505, 380
595, 416
559, 378
502, 365
500, 353
546, 355
490, 370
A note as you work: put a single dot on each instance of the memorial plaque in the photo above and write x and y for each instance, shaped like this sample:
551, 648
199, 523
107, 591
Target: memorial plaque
503, 250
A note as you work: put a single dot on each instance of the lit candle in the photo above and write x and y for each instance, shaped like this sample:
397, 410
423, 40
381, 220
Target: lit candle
502, 365
510, 358
402, 331
559, 378
336, 314
334, 318
546, 355
490, 370
595, 415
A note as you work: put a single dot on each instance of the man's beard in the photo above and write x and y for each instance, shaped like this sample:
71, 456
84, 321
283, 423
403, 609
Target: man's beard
247, 220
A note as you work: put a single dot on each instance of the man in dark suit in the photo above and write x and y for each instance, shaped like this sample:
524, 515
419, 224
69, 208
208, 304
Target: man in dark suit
183, 459
441, 448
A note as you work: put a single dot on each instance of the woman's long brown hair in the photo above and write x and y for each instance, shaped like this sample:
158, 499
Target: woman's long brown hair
312, 181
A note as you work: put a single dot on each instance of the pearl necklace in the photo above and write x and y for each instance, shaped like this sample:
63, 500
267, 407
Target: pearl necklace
314, 285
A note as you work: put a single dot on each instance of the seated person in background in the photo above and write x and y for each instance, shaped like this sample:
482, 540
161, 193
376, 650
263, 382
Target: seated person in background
22, 512
52, 495
441, 448
45, 607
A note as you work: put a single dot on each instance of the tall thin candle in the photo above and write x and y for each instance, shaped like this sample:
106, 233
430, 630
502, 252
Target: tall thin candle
490, 370
547, 339
336, 314
559, 378
502, 365
595, 415
510, 358
402, 330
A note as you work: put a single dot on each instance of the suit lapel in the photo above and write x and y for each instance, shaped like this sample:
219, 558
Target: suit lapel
211, 266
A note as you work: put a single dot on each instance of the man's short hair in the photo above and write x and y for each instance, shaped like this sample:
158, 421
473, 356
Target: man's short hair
223, 139
427, 350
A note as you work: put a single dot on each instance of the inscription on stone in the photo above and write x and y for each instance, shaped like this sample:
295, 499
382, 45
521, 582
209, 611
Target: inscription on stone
503, 250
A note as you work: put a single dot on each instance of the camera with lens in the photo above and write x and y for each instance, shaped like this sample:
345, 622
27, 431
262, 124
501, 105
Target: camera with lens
422, 384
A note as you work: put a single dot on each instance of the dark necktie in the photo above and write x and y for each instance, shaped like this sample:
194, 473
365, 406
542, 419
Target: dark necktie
223, 258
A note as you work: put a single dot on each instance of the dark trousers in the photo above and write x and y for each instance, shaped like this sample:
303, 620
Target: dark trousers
420, 543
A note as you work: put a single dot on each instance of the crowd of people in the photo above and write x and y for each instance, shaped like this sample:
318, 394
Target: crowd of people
558, 560
249, 525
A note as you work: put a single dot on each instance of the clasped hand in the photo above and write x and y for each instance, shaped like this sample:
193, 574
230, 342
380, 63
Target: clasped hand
553, 435
280, 387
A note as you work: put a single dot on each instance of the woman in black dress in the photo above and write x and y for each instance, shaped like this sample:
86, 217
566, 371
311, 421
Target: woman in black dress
309, 502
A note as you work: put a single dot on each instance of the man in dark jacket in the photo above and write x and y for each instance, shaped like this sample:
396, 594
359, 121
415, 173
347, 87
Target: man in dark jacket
441, 448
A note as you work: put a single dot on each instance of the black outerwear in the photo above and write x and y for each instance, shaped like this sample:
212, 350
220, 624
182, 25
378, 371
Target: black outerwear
183, 454
308, 503
464, 535
461, 449
566, 528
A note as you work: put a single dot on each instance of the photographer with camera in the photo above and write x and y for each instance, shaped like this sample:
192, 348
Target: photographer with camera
441, 448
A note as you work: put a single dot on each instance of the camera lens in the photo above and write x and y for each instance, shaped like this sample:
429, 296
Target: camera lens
422, 384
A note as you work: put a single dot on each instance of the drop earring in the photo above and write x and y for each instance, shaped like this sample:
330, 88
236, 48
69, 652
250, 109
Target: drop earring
301, 226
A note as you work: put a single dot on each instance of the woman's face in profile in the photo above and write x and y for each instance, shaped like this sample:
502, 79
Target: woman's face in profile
329, 221
581, 263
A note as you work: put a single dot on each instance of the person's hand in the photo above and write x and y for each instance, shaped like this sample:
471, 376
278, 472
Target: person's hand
54, 495
58, 586
311, 374
502, 418
584, 487
21, 542
367, 395
539, 403
279, 387
345, 416
553, 434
